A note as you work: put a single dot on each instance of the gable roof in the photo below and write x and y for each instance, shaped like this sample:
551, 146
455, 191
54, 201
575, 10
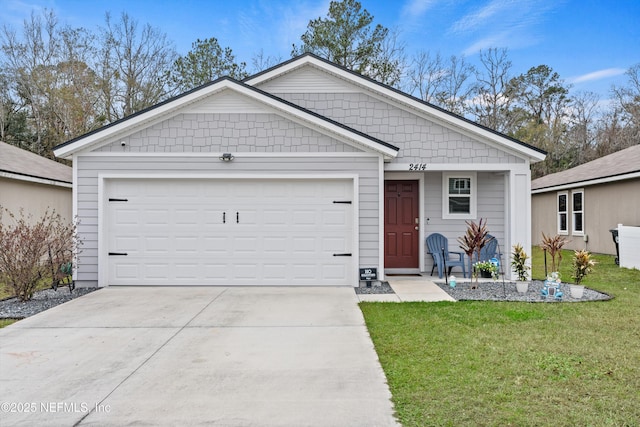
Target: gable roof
451, 119
22, 164
172, 106
624, 164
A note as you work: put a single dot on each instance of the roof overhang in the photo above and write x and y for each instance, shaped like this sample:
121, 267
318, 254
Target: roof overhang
586, 183
34, 179
532, 154
173, 106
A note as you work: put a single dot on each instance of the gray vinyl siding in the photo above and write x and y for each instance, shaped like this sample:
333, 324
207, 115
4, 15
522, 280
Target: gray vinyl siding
89, 167
419, 140
226, 132
491, 190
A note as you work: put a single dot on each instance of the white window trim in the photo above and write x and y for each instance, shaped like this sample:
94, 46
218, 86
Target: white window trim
566, 212
473, 196
573, 212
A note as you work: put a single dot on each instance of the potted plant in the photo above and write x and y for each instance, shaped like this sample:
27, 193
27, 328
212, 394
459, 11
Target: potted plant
486, 269
582, 265
519, 263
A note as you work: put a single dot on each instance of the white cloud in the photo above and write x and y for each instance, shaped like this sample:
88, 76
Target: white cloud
503, 23
482, 16
415, 8
16, 11
597, 75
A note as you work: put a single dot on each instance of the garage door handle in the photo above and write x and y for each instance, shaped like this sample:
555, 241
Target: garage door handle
342, 202
224, 217
118, 253
341, 254
237, 217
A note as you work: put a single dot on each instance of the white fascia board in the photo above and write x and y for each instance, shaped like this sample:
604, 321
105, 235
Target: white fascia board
578, 184
162, 111
437, 167
432, 113
236, 154
35, 179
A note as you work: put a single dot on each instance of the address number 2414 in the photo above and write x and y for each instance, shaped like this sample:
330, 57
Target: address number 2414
417, 166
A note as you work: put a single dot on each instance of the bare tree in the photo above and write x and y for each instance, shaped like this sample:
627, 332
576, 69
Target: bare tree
425, 75
261, 62
29, 61
491, 104
133, 66
581, 135
455, 89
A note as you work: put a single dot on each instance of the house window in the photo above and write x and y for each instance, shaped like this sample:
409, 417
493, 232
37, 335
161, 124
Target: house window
459, 196
563, 206
577, 209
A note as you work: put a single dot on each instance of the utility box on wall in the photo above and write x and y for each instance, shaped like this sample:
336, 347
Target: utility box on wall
629, 245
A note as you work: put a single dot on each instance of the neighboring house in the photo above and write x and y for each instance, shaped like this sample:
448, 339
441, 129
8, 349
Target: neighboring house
298, 175
587, 201
34, 184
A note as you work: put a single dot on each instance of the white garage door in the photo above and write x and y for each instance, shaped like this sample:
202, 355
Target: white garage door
229, 232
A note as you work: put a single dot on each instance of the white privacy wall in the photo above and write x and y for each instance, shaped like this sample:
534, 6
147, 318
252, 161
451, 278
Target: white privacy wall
629, 244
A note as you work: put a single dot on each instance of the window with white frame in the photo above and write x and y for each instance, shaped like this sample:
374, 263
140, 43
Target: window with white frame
563, 213
459, 195
577, 209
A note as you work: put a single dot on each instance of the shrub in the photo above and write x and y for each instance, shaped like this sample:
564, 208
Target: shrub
31, 251
553, 245
474, 239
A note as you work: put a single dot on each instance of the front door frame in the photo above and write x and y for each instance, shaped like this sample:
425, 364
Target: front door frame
409, 176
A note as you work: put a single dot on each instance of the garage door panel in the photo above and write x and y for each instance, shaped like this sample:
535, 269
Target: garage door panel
333, 271
229, 232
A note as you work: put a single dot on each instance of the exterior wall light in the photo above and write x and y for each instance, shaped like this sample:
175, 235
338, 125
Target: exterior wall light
226, 157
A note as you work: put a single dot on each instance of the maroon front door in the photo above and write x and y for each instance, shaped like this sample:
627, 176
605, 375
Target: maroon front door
401, 216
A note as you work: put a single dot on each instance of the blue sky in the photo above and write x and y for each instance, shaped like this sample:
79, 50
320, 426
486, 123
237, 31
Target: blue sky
590, 43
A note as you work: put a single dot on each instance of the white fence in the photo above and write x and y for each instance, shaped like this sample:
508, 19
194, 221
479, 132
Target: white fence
629, 246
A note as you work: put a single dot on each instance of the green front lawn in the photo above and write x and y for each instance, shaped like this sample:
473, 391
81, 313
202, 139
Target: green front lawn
520, 364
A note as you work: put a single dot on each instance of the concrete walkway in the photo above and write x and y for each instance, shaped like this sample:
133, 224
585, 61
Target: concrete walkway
409, 288
234, 356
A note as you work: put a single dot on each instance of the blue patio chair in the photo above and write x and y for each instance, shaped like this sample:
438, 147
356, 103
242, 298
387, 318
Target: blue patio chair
489, 251
438, 247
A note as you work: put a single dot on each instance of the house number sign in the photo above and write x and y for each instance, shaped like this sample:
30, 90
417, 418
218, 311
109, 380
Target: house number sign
417, 166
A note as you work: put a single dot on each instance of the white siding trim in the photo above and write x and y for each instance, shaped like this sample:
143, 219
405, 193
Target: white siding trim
381, 177
235, 154
355, 237
103, 177
438, 167
74, 209
519, 219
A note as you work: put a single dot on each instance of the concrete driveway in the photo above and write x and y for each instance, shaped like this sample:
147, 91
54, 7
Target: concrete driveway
248, 356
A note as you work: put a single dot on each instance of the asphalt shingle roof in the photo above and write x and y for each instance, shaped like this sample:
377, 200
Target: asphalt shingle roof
22, 162
620, 163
